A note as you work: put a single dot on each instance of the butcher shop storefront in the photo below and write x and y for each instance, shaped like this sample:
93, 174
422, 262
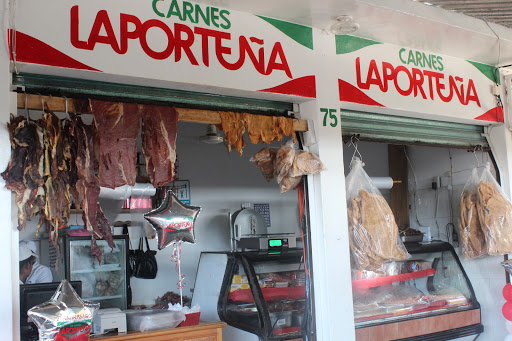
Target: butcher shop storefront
166, 178
185, 170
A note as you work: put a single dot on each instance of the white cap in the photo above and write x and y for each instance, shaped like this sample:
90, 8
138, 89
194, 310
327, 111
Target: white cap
25, 251
31, 244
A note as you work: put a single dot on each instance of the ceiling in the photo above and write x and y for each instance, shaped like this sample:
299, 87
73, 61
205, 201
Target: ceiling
495, 11
405, 23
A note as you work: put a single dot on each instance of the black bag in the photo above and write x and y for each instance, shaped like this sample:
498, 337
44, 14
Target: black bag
145, 265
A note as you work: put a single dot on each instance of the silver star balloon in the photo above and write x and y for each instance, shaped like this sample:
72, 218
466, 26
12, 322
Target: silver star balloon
65, 316
173, 221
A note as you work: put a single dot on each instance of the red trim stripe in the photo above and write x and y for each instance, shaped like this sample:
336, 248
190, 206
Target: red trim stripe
303, 86
34, 51
349, 93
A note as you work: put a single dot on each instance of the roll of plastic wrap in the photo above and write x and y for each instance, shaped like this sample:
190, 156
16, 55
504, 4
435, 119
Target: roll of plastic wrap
382, 182
124, 192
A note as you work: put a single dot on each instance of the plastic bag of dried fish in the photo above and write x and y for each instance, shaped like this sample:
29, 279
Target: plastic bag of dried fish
495, 214
470, 230
373, 233
264, 160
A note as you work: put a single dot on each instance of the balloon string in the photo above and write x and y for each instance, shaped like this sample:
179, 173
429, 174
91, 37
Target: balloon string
176, 258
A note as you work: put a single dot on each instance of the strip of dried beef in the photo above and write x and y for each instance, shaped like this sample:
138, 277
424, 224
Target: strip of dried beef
159, 130
87, 186
56, 184
117, 126
24, 172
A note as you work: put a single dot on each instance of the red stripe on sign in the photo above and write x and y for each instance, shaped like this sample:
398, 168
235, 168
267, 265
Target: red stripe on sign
32, 50
349, 93
493, 115
303, 86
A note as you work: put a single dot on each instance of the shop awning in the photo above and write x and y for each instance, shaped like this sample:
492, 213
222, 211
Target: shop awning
407, 130
83, 88
70, 95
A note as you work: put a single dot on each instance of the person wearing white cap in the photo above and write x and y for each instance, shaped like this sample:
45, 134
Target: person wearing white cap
38, 273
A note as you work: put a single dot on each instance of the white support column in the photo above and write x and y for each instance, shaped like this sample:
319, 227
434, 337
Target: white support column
9, 285
500, 138
329, 230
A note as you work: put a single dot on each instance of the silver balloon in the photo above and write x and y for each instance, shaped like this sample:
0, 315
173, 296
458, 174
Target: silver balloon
65, 316
173, 221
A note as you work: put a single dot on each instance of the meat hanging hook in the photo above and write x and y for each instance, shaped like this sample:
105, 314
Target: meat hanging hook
355, 148
476, 157
26, 106
66, 103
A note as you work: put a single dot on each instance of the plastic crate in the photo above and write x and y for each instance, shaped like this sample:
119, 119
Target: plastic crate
191, 319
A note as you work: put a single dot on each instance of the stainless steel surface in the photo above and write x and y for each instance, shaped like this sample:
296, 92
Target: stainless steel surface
248, 222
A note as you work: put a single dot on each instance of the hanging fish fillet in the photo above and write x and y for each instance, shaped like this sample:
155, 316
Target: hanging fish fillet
265, 129
233, 125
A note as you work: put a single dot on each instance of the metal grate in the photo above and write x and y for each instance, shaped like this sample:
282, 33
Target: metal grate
495, 11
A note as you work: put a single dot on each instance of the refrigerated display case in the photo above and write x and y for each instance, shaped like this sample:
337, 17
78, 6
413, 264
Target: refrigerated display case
263, 295
427, 297
106, 282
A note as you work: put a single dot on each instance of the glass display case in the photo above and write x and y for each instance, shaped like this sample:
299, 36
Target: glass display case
430, 287
105, 282
262, 293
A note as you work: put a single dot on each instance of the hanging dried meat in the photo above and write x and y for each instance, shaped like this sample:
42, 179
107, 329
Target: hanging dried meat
24, 174
56, 185
87, 186
268, 129
233, 125
159, 130
117, 126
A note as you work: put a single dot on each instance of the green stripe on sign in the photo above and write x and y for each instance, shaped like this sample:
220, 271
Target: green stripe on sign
489, 71
301, 34
346, 43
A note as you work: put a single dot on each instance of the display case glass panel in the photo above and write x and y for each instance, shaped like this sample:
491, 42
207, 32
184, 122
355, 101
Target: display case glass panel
103, 282
431, 282
265, 294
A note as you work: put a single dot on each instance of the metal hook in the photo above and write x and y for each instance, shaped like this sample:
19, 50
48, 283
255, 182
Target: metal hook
67, 113
356, 150
476, 157
26, 107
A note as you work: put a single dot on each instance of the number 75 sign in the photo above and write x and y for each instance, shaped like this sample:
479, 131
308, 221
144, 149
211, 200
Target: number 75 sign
330, 117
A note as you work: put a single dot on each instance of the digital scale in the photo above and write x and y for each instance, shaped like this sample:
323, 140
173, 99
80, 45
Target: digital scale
249, 232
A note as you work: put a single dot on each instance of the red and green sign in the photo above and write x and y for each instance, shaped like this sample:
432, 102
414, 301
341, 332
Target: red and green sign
384, 75
170, 40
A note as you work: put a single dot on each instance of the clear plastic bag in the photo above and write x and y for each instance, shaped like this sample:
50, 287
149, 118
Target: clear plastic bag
284, 161
264, 160
305, 163
287, 164
149, 319
389, 299
65, 316
373, 233
495, 214
470, 230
